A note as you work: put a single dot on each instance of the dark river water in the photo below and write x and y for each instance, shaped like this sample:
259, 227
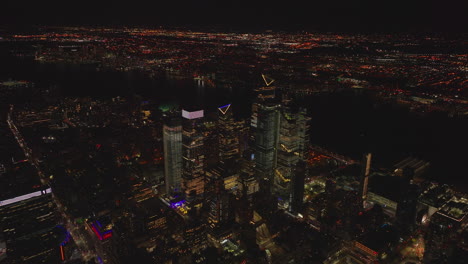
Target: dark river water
344, 122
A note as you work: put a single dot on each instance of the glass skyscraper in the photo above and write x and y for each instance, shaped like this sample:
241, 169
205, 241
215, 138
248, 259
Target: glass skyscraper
172, 138
193, 154
293, 139
228, 134
266, 139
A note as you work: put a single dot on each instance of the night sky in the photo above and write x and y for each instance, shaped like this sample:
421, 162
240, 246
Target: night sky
333, 15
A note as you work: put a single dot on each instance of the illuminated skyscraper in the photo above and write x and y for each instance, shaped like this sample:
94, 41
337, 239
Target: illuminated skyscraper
265, 93
266, 139
193, 171
228, 134
172, 139
293, 141
265, 123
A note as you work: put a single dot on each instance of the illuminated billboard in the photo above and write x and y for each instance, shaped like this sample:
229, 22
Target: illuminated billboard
192, 115
25, 197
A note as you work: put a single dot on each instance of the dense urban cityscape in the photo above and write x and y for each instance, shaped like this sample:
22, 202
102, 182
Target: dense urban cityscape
171, 145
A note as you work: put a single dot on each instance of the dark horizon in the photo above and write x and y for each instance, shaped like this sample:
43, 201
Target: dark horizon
336, 15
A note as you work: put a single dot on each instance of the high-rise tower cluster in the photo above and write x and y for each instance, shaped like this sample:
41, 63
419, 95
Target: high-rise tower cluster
280, 140
293, 139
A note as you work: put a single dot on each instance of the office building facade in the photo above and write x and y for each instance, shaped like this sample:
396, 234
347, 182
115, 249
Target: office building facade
172, 140
193, 153
292, 144
266, 139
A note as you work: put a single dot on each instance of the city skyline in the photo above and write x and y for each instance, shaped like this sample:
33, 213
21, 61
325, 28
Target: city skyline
237, 132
